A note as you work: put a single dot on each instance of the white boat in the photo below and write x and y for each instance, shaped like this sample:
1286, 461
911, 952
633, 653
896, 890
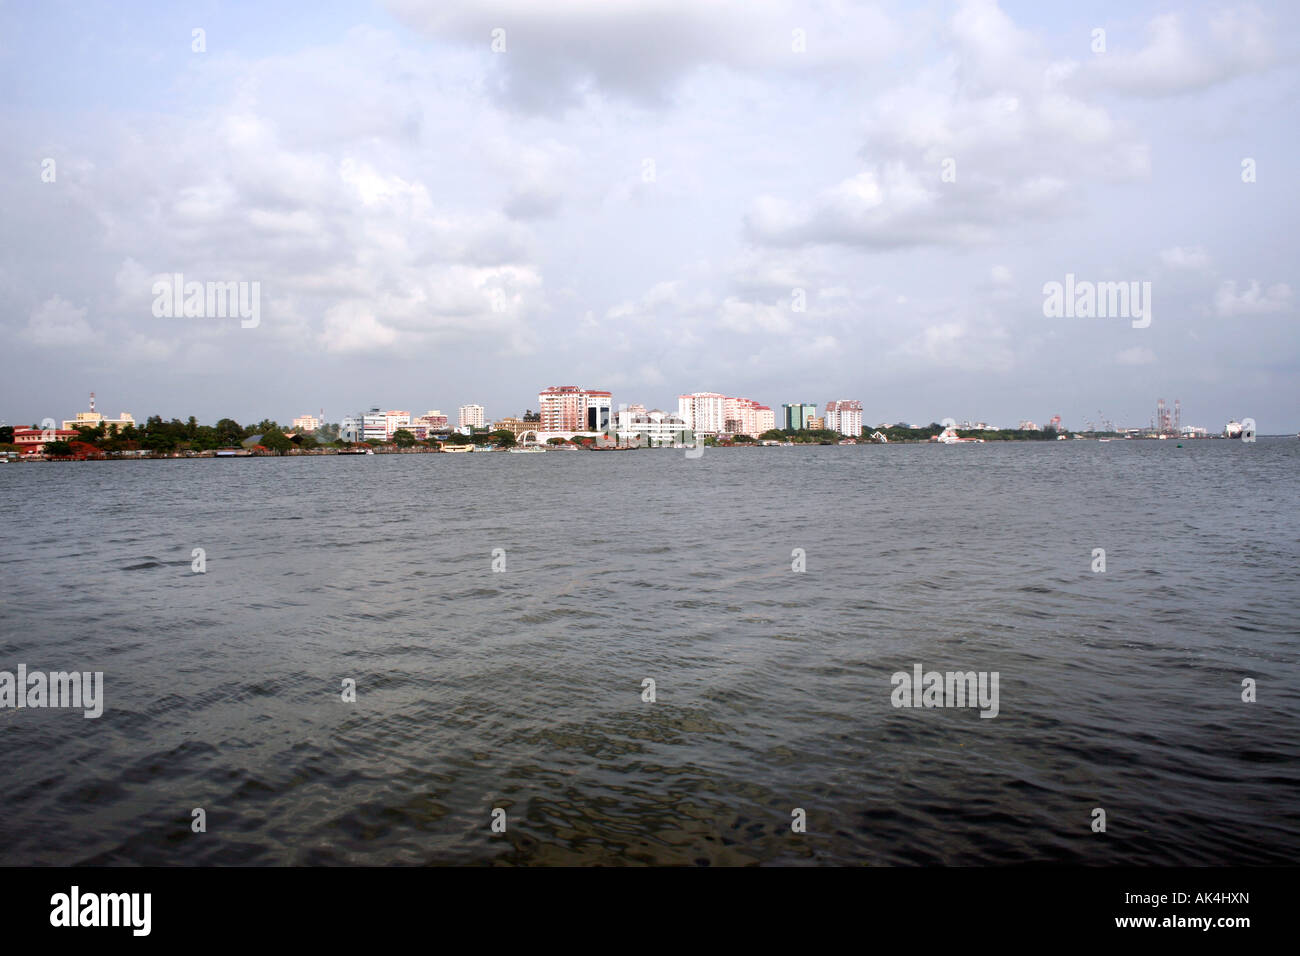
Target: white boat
528, 450
949, 436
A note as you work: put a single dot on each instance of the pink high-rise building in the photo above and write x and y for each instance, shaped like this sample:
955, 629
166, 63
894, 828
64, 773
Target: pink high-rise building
571, 408
713, 412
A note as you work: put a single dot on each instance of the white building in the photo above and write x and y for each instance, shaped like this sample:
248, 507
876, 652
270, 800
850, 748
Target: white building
364, 426
306, 424
654, 427
703, 412
844, 416
394, 420
713, 413
471, 416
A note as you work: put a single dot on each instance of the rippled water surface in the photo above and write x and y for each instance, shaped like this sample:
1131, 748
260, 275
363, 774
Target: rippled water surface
522, 690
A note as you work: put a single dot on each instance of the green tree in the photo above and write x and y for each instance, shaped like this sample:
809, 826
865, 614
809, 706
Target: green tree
403, 438
57, 449
503, 437
275, 440
229, 432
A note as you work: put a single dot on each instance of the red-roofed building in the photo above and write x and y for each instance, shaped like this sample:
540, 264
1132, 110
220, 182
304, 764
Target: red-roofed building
31, 441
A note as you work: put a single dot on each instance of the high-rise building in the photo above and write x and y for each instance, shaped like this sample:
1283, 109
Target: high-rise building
471, 416
306, 424
703, 412
845, 416
712, 413
571, 408
797, 415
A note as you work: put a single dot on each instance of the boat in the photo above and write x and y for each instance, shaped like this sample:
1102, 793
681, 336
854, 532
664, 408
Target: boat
949, 436
528, 450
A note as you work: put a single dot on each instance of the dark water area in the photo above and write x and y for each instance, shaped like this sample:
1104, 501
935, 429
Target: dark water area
522, 689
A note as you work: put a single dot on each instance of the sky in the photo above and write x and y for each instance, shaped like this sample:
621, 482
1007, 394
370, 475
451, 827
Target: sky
444, 203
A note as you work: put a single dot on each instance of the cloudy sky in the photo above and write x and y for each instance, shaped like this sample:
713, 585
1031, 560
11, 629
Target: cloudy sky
448, 202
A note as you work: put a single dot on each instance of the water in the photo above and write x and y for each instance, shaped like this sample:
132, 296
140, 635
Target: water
522, 690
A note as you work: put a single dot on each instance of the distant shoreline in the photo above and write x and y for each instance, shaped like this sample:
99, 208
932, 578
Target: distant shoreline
332, 452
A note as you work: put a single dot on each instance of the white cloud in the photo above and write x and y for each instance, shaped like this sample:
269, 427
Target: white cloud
1253, 300
564, 53
59, 323
1179, 257
1236, 42
1136, 356
966, 150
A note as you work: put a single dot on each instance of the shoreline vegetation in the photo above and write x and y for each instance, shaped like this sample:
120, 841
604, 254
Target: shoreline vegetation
156, 438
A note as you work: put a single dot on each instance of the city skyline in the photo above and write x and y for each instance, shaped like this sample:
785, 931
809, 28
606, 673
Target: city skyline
894, 203
1165, 417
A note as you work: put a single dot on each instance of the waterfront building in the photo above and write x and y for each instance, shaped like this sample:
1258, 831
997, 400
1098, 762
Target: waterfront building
796, 415
306, 424
471, 416
364, 426
393, 420
844, 416
712, 413
92, 419
816, 424
31, 441
654, 427
571, 408
516, 426
434, 420
703, 412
